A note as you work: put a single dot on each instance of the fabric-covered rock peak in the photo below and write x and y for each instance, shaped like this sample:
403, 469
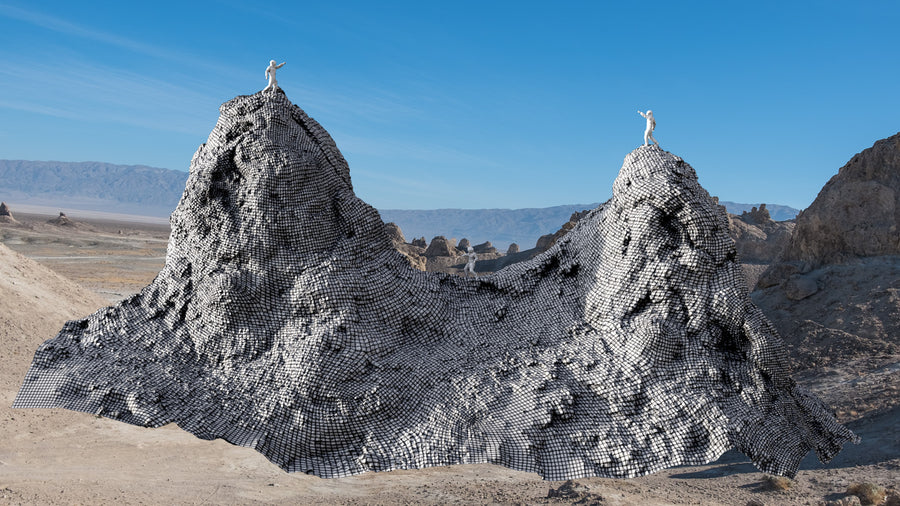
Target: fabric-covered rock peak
284, 321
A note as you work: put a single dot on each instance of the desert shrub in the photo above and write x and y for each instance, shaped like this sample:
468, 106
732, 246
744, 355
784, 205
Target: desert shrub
770, 482
868, 493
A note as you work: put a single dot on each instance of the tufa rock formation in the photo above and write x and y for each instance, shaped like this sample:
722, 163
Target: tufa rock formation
514, 255
759, 240
413, 254
441, 255
420, 242
284, 321
463, 245
62, 221
485, 248
5, 214
856, 215
441, 247
756, 216
394, 233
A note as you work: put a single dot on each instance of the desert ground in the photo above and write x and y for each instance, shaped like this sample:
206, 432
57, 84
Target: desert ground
53, 273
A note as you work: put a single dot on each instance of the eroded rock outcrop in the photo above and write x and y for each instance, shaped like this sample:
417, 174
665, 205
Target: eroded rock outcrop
514, 255
392, 230
5, 214
485, 248
284, 320
62, 221
414, 254
440, 246
759, 240
856, 214
834, 293
442, 255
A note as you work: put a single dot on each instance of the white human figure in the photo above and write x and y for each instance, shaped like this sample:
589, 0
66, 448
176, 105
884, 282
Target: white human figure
651, 124
470, 263
270, 74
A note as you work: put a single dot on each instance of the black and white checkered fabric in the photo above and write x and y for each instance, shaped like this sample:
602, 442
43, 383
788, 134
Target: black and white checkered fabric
285, 321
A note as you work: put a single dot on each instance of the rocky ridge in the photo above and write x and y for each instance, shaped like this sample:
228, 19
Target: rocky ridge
284, 320
856, 214
834, 292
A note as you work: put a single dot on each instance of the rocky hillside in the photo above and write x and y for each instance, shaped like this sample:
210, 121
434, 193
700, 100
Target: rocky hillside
759, 239
834, 293
856, 214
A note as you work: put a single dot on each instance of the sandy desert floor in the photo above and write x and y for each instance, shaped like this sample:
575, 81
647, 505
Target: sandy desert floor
64, 457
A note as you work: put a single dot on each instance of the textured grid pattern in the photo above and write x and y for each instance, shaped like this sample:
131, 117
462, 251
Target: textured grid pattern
285, 321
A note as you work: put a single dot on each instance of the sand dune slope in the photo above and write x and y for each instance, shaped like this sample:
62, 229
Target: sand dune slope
34, 303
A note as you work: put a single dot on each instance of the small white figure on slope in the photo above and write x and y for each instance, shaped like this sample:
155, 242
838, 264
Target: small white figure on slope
470, 263
270, 74
651, 124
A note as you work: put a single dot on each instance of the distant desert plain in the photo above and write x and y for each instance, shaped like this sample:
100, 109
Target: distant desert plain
53, 272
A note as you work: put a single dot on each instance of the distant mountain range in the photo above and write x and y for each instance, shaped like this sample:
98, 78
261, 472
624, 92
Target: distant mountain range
92, 186
151, 191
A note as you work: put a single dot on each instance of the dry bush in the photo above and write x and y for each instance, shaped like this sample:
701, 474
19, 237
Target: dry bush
770, 482
868, 493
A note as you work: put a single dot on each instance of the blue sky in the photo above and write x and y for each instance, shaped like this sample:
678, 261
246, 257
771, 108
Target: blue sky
468, 104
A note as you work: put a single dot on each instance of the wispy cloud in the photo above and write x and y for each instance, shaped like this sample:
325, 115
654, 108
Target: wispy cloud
77, 86
62, 26
85, 91
58, 25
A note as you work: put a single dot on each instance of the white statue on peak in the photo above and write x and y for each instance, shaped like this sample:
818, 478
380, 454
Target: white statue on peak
270, 74
651, 124
470, 263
